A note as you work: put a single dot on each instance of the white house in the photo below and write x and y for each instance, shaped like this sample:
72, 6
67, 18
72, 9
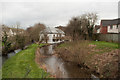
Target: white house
113, 29
52, 35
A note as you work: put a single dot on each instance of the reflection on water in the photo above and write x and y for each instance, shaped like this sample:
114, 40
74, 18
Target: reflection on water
61, 69
55, 66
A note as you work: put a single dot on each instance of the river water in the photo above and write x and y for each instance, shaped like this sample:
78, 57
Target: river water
58, 67
9, 55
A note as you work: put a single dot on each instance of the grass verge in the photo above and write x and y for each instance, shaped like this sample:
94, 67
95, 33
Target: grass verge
102, 46
23, 65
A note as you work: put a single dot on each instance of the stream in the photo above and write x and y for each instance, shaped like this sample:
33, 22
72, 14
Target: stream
9, 55
58, 67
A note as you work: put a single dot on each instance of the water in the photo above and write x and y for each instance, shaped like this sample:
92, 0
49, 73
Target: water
58, 67
4, 58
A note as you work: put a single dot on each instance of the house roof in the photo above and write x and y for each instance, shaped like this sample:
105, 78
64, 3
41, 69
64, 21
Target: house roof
51, 30
110, 22
61, 27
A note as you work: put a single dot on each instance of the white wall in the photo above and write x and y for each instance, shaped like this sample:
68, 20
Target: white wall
41, 37
113, 30
119, 28
51, 38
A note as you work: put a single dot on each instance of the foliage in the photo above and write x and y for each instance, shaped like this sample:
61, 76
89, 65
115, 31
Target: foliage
75, 51
82, 25
5, 43
22, 65
20, 39
34, 31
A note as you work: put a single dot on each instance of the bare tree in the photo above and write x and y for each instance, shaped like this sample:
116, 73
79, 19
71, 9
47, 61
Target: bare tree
90, 20
34, 31
79, 26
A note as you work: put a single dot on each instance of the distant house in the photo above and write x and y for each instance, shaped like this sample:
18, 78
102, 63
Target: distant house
110, 26
11, 31
51, 35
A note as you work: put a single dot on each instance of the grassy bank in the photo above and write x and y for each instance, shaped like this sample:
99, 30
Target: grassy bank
99, 56
99, 44
99, 47
23, 65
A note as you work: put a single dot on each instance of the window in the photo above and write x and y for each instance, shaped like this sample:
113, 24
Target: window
111, 27
117, 27
53, 40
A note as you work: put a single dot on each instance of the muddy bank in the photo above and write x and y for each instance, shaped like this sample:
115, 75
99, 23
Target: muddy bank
103, 65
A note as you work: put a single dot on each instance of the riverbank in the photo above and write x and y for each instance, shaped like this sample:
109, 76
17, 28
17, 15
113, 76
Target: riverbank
56, 66
98, 56
23, 65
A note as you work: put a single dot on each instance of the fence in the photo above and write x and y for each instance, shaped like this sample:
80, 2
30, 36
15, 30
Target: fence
110, 37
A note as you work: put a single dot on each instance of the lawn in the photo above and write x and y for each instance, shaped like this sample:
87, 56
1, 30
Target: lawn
100, 46
103, 46
23, 65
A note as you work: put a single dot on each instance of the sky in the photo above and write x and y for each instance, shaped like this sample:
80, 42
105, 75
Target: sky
53, 13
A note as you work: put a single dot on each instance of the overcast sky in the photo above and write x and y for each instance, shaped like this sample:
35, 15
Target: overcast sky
53, 12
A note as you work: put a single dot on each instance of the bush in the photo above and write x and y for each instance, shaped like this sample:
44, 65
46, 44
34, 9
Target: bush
74, 51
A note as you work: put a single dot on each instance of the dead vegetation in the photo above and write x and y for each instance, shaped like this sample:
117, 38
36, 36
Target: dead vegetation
99, 57
105, 64
74, 51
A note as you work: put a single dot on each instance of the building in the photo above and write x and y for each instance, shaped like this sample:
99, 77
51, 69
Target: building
11, 31
51, 35
61, 27
110, 26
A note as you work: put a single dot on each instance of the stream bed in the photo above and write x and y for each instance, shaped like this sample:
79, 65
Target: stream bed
58, 67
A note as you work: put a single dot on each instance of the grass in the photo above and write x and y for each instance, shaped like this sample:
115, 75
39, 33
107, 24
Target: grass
103, 46
23, 65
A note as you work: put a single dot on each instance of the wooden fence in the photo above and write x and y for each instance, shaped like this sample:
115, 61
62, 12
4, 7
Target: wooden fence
110, 37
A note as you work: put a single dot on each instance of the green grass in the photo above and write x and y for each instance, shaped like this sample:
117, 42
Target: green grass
104, 46
23, 62
101, 46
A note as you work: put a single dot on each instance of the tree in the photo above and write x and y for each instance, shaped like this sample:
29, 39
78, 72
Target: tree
78, 27
34, 31
19, 37
5, 43
91, 19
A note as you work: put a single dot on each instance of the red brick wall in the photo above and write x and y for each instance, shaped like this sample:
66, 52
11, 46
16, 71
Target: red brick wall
103, 29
